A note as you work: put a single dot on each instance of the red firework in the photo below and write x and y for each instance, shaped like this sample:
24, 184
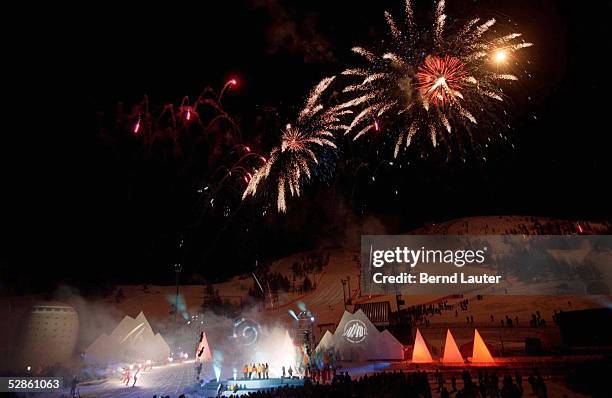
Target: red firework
440, 80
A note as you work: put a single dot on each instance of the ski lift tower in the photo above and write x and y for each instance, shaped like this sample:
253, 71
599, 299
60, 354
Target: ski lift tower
305, 320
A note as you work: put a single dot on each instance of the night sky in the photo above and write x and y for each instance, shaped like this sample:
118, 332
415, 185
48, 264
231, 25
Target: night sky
102, 219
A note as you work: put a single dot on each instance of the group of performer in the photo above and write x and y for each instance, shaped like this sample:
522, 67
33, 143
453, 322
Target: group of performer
289, 371
127, 376
261, 370
320, 375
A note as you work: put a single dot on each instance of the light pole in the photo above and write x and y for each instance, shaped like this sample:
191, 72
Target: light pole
177, 271
348, 281
178, 267
343, 292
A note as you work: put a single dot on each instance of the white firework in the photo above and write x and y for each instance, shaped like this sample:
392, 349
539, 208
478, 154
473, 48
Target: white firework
292, 163
430, 81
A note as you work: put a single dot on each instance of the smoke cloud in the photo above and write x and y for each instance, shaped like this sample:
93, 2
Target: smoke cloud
95, 317
294, 34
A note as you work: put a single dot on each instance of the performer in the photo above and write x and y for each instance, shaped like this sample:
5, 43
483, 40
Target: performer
245, 371
128, 377
135, 377
73, 385
219, 389
198, 370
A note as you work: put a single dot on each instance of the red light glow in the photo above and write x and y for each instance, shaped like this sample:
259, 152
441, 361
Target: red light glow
420, 352
481, 354
452, 355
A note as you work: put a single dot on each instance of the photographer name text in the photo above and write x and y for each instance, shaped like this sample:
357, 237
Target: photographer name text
425, 278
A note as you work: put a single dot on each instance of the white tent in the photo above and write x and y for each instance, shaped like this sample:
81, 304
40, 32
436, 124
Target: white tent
132, 340
327, 341
202, 352
357, 339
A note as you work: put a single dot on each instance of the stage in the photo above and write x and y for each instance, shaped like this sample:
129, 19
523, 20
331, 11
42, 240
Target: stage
246, 386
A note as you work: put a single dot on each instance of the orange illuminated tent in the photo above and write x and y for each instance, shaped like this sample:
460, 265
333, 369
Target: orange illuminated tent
420, 353
481, 353
451, 351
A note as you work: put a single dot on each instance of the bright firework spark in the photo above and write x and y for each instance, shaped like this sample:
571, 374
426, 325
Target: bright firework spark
439, 79
293, 162
434, 81
500, 56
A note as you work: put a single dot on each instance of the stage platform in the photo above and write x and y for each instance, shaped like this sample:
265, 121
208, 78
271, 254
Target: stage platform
246, 386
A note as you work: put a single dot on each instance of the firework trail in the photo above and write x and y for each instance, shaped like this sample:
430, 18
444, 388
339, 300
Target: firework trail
293, 162
434, 82
202, 138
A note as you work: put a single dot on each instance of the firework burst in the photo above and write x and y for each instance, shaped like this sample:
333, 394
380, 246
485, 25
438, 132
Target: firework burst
435, 82
297, 158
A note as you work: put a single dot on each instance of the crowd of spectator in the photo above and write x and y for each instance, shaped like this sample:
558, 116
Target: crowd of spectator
417, 384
